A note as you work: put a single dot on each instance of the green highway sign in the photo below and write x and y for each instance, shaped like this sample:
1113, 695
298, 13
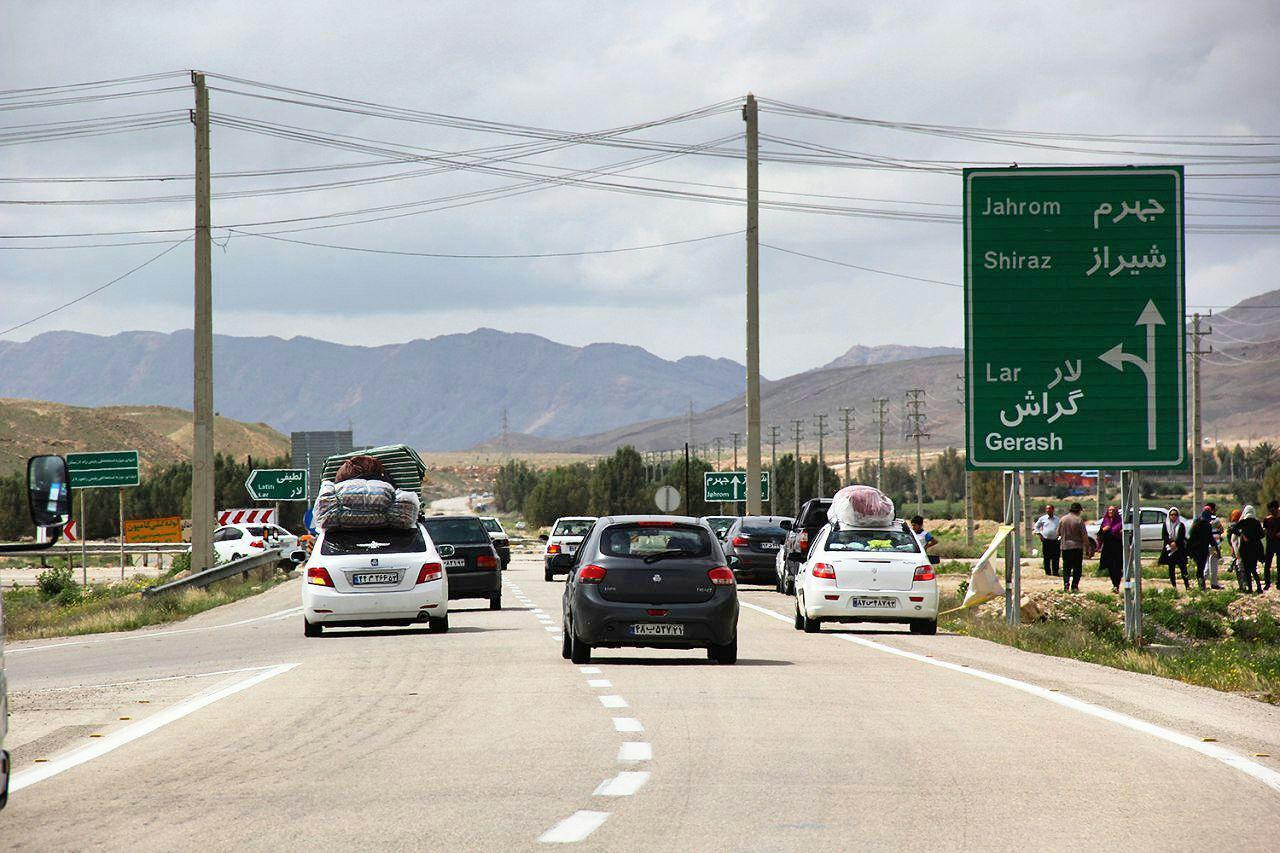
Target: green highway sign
1074, 306
730, 486
277, 484
107, 470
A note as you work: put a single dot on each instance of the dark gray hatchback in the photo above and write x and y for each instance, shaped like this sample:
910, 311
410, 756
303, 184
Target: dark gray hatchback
650, 581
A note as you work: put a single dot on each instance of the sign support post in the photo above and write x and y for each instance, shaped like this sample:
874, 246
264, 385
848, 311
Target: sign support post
1130, 492
84, 536
1013, 554
121, 494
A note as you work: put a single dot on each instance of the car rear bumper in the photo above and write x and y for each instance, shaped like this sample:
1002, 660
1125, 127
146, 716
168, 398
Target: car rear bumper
324, 605
474, 584
504, 552
759, 568
600, 622
819, 604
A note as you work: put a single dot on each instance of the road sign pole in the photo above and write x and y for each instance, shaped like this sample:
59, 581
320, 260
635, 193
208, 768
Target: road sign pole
84, 545
1130, 501
688, 496
1013, 554
202, 485
121, 493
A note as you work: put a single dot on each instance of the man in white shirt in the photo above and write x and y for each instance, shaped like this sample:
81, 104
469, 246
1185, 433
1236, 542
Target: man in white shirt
1047, 530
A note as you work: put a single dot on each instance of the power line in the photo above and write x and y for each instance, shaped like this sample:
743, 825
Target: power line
862, 268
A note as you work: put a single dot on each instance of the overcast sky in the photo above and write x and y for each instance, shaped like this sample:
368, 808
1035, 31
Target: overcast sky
1110, 67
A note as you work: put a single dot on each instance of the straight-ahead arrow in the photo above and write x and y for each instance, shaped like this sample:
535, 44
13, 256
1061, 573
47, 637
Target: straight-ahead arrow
1117, 357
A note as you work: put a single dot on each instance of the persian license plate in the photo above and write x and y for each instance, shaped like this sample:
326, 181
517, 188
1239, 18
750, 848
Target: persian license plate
770, 546
374, 578
651, 629
570, 548
874, 602
455, 563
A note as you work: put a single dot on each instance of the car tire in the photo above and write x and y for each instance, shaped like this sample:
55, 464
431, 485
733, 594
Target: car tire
579, 652
566, 644
808, 625
438, 626
924, 626
495, 601
725, 655
799, 617
548, 575
311, 629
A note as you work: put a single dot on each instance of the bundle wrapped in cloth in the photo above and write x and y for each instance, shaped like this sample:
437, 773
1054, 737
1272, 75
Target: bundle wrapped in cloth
861, 506
364, 503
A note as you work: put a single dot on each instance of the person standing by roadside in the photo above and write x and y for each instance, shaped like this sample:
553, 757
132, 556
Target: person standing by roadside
1050, 547
1233, 545
1076, 545
1173, 547
1215, 553
1111, 546
1271, 524
1251, 548
927, 539
1200, 542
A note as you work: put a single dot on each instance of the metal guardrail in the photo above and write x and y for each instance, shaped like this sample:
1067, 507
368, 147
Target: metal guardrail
243, 566
62, 548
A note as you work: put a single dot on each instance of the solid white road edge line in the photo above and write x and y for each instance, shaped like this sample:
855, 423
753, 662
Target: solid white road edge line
634, 750
624, 784
575, 827
143, 727
1266, 775
627, 724
150, 634
612, 701
153, 680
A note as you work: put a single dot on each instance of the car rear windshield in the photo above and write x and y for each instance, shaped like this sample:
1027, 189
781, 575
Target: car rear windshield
377, 540
491, 525
762, 527
898, 541
642, 540
816, 514
456, 531
572, 528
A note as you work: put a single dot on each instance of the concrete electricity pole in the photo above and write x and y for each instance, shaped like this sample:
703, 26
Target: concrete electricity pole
202, 508
795, 433
751, 116
821, 418
1197, 427
914, 414
773, 468
737, 438
846, 413
882, 416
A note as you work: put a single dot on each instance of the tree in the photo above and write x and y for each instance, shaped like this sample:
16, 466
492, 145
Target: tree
618, 485
987, 490
784, 483
1270, 489
513, 484
694, 505
945, 477
564, 490
1264, 455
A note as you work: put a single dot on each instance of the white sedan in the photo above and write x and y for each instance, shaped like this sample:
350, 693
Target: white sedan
378, 576
867, 575
233, 541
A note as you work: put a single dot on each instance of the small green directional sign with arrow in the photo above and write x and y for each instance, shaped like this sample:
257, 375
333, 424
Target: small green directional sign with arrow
730, 486
1074, 306
277, 484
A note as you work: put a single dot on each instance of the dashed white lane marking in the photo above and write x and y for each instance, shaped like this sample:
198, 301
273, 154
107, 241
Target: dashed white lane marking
552, 628
634, 750
143, 727
624, 784
612, 701
158, 680
627, 724
575, 827
599, 682
589, 670
1266, 775
150, 634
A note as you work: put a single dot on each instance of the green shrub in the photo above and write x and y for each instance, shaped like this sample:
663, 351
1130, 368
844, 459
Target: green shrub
1263, 629
54, 581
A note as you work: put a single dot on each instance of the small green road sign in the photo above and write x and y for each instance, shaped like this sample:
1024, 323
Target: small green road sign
1074, 305
730, 486
110, 469
277, 484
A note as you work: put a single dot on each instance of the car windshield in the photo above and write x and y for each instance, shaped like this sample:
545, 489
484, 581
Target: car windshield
456, 531
896, 540
491, 525
572, 528
645, 540
377, 540
720, 525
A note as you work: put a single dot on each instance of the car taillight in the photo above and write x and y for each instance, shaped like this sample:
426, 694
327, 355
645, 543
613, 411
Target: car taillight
591, 574
824, 570
553, 548
486, 561
741, 541
257, 543
319, 576
430, 572
721, 576
802, 541
924, 573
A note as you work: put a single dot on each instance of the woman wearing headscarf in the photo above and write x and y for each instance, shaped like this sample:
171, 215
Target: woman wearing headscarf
1252, 545
1111, 546
1200, 541
1233, 545
1173, 547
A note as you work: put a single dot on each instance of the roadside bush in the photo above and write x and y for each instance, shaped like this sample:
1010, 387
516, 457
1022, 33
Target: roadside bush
1100, 622
1261, 629
53, 582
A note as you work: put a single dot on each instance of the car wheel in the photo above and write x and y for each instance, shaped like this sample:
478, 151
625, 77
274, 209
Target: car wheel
311, 629
726, 654
548, 575
799, 617
438, 626
790, 585
579, 652
924, 626
566, 646
495, 601
810, 626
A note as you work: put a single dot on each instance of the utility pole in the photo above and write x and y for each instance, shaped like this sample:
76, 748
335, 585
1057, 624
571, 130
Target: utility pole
720, 507
773, 468
914, 414
846, 413
202, 508
821, 418
752, 117
795, 433
737, 437
690, 442
506, 436
968, 475
882, 416
1197, 438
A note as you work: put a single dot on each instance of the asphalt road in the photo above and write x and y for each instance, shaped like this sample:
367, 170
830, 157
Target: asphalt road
243, 734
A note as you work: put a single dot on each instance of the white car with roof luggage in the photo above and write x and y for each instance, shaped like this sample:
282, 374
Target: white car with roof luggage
562, 543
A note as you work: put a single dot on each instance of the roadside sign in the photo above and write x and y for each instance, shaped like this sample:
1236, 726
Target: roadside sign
71, 531
277, 484
168, 529
247, 516
730, 486
667, 498
1074, 305
109, 470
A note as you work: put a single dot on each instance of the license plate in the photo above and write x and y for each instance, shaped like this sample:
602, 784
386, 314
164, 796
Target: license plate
570, 548
374, 578
455, 563
650, 629
770, 546
874, 602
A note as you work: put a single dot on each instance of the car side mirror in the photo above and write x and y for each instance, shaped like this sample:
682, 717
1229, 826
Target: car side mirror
544, 537
48, 491
935, 559
786, 524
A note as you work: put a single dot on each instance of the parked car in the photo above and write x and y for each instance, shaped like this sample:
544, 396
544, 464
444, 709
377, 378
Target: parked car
562, 543
751, 546
856, 574
469, 558
374, 576
1150, 519
800, 533
720, 524
233, 541
498, 536
650, 581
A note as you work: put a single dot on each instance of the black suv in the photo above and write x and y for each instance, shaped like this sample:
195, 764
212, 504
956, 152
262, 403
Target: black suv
751, 544
800, 533
469, 558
